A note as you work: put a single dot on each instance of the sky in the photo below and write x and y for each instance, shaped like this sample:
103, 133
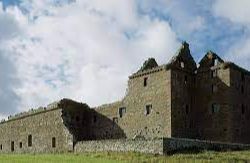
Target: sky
85, 50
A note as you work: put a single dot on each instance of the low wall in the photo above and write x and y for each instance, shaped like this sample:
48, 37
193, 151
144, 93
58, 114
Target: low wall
179, 144
154, 146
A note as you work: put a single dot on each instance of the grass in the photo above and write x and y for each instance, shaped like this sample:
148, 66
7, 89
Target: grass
205, 156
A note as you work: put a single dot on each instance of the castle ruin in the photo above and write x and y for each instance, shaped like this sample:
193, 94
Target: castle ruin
175, 100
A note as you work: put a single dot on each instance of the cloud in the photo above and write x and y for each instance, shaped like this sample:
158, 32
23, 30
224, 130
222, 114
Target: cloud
9, 29
8, 98
237, 12
82, 50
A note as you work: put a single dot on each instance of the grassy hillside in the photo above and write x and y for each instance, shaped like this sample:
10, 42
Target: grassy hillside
206, 156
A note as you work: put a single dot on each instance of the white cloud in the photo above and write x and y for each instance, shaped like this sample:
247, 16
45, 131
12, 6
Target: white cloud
83, 50
236, 11
240, 53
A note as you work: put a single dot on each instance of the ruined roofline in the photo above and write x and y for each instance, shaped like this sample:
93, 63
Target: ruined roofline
50, 107
151, 66
236, 67
224, 64
212, 54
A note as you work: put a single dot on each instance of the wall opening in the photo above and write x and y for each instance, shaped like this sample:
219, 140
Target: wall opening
77, 119
242, 76
215, 108
242, 109
148, 109
187, 109
215, 62
1, 147
29, 140
20, 145
115, 121
214, 88
53, 142
242, 89
94, 119
122, 111
12, 146
214, 74
145, 83
182, 64
185, 79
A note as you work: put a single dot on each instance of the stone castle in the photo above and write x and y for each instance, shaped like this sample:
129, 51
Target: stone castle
174, 100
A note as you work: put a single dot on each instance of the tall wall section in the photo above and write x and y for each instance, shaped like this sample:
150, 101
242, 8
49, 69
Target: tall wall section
146, 109
183, 69
240, 103
213, 106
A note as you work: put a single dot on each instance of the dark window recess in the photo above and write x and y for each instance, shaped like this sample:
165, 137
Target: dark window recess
148, 109
215, 108
242, 89
243, 109
122, 111
145, 83
77, 119
187, 109
29, 140
242, 76
191, 124
115, 120
1, 147
185, 79
12, 146
214, 88
53, 142
94, 119
214, 74
20, 145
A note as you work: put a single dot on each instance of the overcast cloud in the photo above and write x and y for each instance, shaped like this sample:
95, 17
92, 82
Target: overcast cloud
85, 50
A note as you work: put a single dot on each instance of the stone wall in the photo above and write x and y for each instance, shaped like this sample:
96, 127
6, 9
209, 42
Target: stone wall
135, 121
171, 145
55, 128
239, 101
155, 146
123, 145
182, 94
213, 109
41, 128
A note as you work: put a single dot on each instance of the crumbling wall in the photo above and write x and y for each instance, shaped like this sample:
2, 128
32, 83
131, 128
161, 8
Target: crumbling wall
41, 127
55, 128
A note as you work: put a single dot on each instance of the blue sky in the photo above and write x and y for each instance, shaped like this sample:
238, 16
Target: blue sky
50, 49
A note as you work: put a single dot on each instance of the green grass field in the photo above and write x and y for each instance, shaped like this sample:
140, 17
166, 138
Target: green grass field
206, 156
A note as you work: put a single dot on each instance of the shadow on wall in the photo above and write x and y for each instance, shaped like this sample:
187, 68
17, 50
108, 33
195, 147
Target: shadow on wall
87, 124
